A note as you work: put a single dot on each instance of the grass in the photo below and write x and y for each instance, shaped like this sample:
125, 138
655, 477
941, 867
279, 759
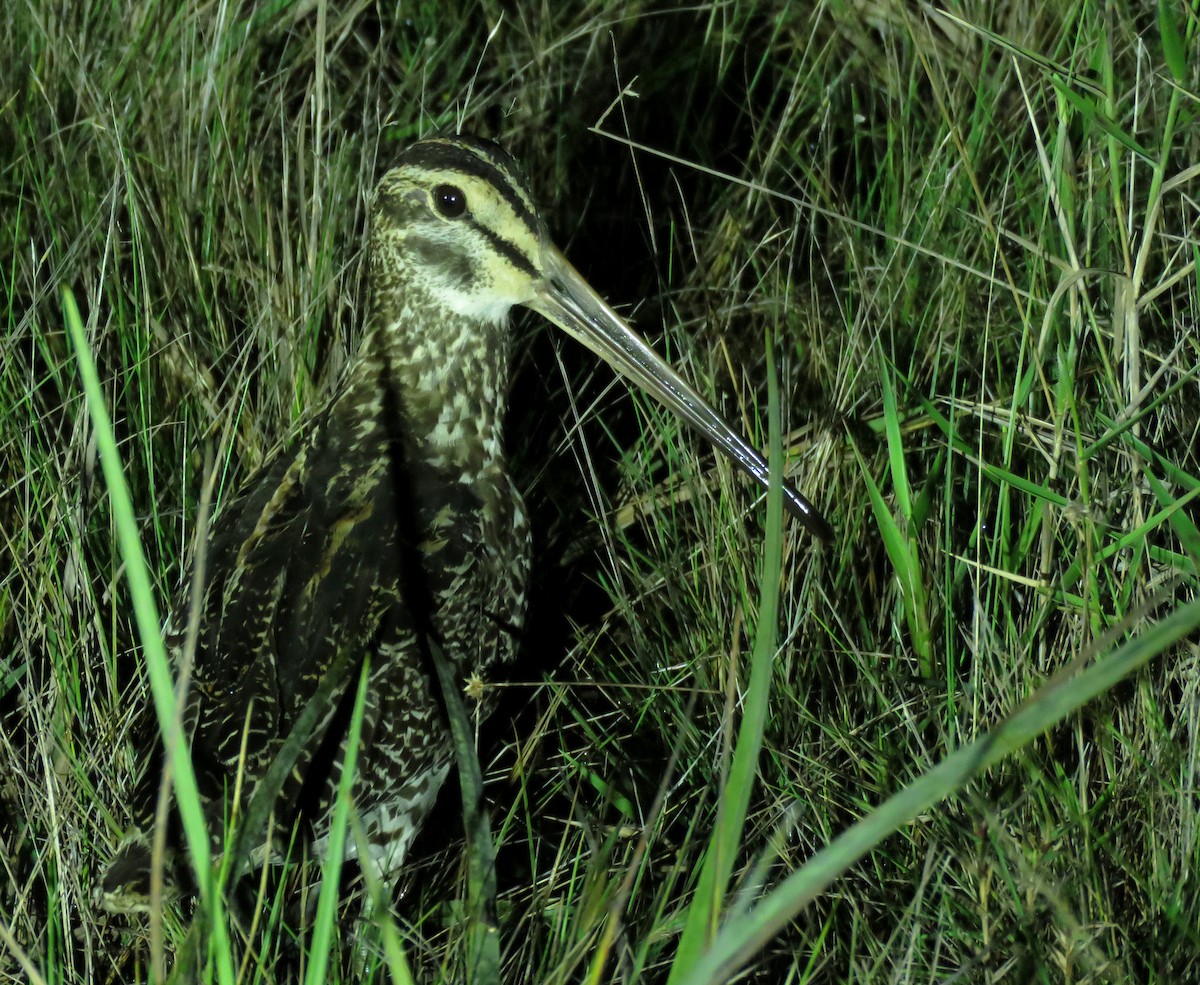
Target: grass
967, 242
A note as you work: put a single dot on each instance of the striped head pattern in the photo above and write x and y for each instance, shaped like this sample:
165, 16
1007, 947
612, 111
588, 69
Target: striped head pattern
456, 240
457, 215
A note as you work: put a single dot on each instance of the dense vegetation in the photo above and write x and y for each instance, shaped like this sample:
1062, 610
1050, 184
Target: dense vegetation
967, 240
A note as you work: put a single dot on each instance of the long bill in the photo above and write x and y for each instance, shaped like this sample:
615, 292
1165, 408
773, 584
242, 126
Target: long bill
565, 298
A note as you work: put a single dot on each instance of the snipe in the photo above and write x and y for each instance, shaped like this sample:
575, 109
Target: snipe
392, 521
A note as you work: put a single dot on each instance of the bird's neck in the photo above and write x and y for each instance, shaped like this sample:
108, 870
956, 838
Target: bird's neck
441, 386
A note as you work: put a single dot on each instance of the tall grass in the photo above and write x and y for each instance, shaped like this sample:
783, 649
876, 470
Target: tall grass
967, 240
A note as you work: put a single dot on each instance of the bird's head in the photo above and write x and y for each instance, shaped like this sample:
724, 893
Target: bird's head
455, 230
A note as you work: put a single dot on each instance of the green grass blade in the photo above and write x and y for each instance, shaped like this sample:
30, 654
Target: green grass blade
162, 686
895, 443
1174, 47
902, 552
331, 868
1094, 116
726, 843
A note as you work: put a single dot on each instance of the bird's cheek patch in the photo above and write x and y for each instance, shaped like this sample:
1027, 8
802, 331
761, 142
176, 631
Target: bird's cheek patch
450, 265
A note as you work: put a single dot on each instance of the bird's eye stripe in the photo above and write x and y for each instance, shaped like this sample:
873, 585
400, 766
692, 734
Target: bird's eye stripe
445, 159
506, 248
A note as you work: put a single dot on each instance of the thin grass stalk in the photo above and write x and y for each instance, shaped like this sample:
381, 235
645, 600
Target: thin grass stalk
483, 938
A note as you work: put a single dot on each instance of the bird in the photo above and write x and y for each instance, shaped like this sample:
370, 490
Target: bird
390, 524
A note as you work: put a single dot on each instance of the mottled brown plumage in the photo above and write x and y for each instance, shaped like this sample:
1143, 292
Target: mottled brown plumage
392, 522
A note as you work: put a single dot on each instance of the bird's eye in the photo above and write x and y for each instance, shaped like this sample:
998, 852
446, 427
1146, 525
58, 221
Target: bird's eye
450, 202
